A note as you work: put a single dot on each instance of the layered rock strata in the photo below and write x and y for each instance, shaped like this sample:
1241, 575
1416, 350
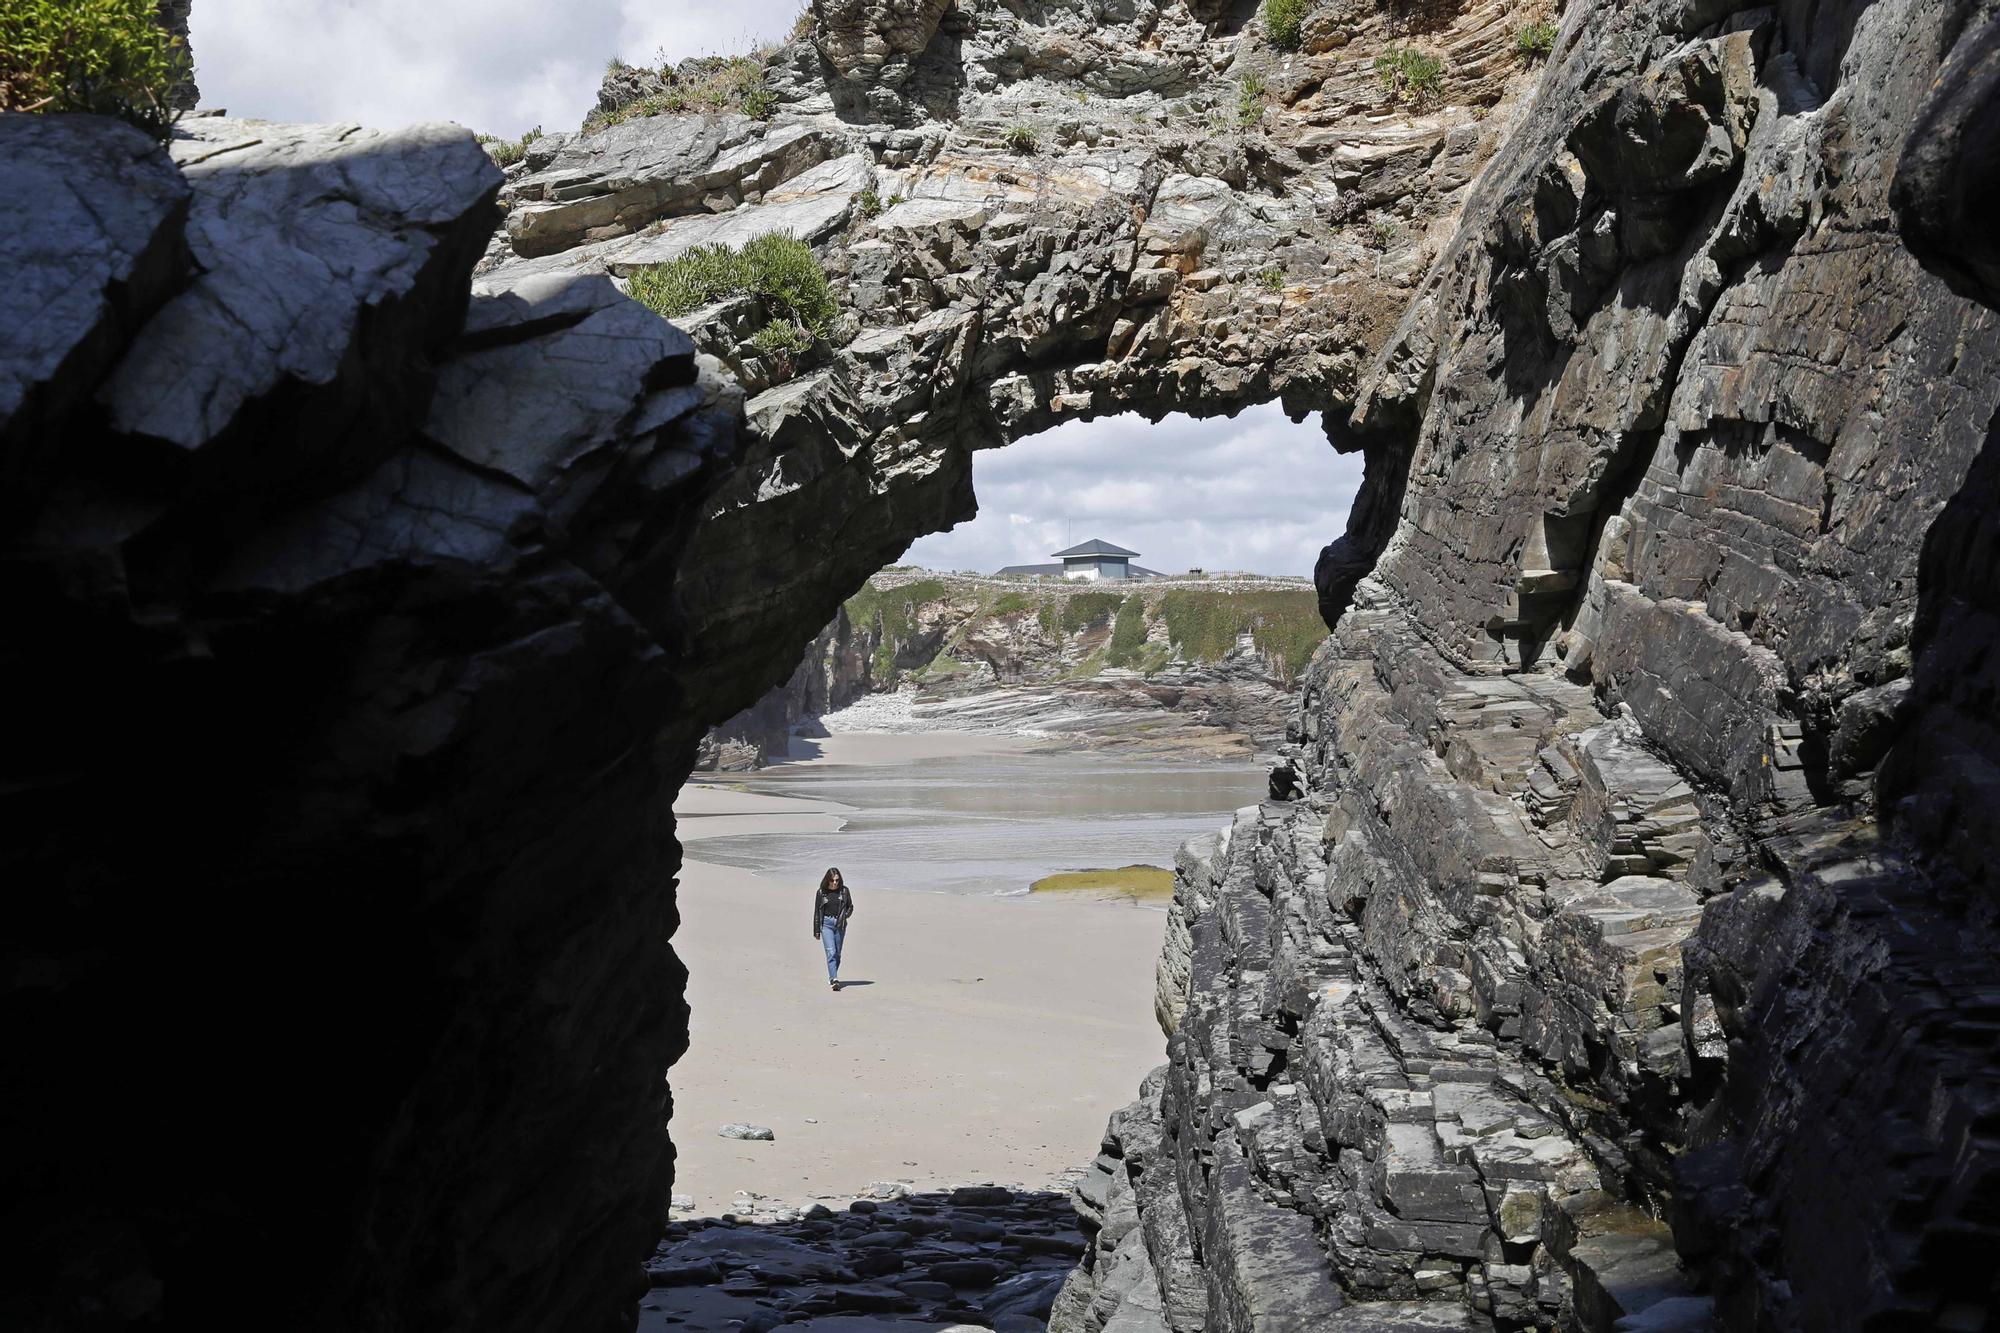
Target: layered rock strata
1011, 656
345, 721
367, 615
1630, 957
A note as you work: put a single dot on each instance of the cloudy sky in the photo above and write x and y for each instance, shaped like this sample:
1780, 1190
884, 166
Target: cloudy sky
499, 66
1252, 493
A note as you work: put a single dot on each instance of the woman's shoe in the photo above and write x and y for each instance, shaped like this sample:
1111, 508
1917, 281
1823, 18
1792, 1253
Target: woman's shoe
835, 985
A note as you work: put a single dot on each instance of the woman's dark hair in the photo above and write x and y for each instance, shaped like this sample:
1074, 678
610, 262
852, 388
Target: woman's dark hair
827, 878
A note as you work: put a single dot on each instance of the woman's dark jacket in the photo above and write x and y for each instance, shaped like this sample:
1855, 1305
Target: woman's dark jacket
837, 903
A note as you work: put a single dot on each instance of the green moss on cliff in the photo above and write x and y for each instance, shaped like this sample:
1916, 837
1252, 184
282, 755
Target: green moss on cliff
1088, 608
1128, 633
1285, 626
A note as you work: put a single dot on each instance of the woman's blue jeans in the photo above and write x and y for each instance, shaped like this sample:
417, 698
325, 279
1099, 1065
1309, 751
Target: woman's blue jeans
831, 932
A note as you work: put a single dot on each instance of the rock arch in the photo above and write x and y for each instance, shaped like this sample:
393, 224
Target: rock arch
368, 627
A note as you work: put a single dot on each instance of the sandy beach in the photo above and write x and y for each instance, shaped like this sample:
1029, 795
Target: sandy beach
982, 1039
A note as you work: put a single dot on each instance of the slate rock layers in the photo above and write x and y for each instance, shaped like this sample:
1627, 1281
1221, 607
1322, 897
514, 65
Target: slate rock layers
1632, 956
376, 567
341, 678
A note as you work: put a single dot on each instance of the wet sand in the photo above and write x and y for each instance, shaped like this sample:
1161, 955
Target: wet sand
989, 1042
992, 1038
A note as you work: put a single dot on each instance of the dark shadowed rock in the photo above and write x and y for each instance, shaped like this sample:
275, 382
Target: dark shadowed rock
95, 248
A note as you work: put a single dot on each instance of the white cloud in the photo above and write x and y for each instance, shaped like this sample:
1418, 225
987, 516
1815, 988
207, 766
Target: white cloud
499, 66
1255, 492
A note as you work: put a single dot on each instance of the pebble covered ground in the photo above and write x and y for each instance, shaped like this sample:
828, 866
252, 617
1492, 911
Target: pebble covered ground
977, 1257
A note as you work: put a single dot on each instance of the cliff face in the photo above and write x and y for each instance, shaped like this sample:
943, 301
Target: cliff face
1195, 666
1630, 951
347, 715
1635, 937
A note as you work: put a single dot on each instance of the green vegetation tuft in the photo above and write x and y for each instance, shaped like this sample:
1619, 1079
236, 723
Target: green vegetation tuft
1383, 231
693, 279
892, 612
943, 666
1047, 617
869, 203
895, 609
1088, 608
1088, 668
1021, 139
779, 269
506, 152
781, 338
1534, 41
783, 270
1128, 632
1250, 100
1284, 22
1285, 626
1138, 883
101, 57
1272, 279
703, 85
1010, 604
1410, 75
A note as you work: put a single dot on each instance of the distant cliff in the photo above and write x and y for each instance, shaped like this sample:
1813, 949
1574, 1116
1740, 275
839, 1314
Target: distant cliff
1203, 665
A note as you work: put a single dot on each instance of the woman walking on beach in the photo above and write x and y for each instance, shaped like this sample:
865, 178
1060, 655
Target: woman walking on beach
832, 905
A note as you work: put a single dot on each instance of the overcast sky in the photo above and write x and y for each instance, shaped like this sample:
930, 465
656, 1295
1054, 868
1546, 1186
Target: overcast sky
1253, 493
498, 66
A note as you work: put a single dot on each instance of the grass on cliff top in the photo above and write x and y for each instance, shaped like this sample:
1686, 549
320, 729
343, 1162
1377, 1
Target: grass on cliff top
1201, 624
702, 85
1285, 626
1140, 883
506, 152
1128, 632
102, 57
1088, 608
779, 269
895, 611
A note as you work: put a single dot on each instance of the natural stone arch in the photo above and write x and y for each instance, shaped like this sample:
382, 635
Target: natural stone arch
444, 655
1127, 263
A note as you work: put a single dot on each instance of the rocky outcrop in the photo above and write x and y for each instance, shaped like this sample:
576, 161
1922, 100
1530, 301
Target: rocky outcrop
1628, 922
979, 1256
1047, 659
832, 674
1631, 952
1034, 219
343, 633
173, 16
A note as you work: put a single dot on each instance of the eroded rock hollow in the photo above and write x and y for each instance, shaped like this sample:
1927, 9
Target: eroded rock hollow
377, 565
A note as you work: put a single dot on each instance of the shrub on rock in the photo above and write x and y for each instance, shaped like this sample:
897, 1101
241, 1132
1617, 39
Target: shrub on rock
1410, 75
1284, 21
1534, 41
781, 270
104, 57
